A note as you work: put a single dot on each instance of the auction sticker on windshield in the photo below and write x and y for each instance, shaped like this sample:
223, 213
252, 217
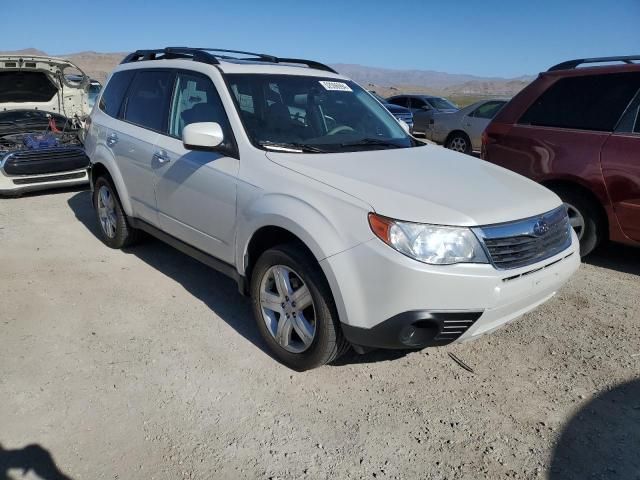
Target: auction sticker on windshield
335, 86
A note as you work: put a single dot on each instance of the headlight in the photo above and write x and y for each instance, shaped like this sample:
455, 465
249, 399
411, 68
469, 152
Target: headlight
433, 244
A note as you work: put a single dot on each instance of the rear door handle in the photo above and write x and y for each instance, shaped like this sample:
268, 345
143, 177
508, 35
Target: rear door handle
161, 156
112, 139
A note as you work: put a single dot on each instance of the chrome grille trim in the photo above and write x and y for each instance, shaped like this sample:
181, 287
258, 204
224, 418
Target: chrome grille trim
525, 242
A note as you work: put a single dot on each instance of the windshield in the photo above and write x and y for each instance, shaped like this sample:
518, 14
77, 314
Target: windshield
312, 114
441, 103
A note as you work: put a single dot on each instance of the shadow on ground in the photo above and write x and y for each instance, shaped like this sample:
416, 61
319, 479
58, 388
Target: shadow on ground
50, 191
32, 458
602, 440
615, 256
215, 290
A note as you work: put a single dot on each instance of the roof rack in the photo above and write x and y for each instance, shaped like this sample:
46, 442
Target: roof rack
213, 55
571, 64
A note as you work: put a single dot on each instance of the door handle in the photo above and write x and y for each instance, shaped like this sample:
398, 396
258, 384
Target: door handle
161, 156
112, 139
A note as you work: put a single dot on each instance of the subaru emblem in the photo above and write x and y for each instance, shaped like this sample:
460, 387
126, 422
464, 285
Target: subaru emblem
540, 228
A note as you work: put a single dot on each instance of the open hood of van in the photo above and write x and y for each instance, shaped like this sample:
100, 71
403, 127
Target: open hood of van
40, 83
427, 184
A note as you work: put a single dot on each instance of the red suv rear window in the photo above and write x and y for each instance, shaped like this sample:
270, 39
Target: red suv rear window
589, 102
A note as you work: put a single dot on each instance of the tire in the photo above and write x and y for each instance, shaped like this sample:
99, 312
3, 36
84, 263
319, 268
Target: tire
459, 142
321, 340
585, 216
114, 229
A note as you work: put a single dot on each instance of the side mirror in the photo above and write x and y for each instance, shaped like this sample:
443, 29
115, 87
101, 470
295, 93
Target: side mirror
405, 126
202, 136
426, 108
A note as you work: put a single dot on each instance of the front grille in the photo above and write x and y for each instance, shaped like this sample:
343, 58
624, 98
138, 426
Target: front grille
522, 243
45, 160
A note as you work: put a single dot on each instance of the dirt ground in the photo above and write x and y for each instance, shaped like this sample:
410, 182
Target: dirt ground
145, 364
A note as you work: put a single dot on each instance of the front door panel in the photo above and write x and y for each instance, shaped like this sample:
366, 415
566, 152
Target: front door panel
620, 160
196, 197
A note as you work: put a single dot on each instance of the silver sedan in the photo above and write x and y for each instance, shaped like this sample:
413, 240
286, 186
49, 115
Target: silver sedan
460, 131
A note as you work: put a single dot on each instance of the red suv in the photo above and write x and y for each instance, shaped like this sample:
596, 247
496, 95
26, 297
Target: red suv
576, 130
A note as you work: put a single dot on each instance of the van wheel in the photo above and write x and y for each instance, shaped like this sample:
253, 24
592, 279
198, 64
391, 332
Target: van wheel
294, 308
459, 142
115, 231
585, 218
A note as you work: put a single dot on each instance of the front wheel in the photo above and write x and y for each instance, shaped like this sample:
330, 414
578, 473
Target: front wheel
294, 308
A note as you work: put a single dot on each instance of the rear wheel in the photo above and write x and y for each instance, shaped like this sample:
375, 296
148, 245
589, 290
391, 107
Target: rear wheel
585, 218
294, 308
459, 142
115, 231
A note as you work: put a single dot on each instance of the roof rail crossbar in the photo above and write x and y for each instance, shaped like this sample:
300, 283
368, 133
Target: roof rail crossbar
571, 64
308, 63
209, 55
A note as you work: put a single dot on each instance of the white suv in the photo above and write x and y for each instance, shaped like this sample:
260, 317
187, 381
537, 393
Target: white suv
298, 184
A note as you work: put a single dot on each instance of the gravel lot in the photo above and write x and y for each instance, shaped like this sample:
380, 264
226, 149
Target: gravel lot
146, 364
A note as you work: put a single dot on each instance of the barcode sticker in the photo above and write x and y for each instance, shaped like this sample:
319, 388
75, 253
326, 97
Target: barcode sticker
335, 86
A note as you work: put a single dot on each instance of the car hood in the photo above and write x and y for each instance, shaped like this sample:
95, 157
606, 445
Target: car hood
448, 110
428, 184
39, 83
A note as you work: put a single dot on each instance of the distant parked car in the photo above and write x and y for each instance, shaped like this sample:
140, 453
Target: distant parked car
401, 113
462, 130
429, 103
577, 131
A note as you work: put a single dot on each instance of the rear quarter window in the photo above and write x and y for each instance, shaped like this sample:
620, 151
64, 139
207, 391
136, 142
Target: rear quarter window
111, 99
590, 102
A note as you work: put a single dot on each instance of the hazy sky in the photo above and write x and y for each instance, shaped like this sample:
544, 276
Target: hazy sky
501, 38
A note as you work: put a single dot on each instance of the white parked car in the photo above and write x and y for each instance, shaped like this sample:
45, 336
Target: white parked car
462, 130
298, 184
42, 117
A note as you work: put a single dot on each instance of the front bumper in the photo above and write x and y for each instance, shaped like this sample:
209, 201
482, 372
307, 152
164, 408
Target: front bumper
16, 185
387, 300
29, 170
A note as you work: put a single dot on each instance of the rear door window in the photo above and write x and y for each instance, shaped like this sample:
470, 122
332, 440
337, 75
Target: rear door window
417, 103
148, 99
487, 110
590, 102
113, 94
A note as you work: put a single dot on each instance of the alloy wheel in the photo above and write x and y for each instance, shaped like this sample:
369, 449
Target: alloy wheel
287, 309
107, 211
458, 144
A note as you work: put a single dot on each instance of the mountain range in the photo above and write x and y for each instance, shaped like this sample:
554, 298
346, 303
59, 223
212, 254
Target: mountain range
385, 81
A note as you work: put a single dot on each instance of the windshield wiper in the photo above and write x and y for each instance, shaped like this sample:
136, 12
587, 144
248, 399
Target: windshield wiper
371, 141
292, 147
